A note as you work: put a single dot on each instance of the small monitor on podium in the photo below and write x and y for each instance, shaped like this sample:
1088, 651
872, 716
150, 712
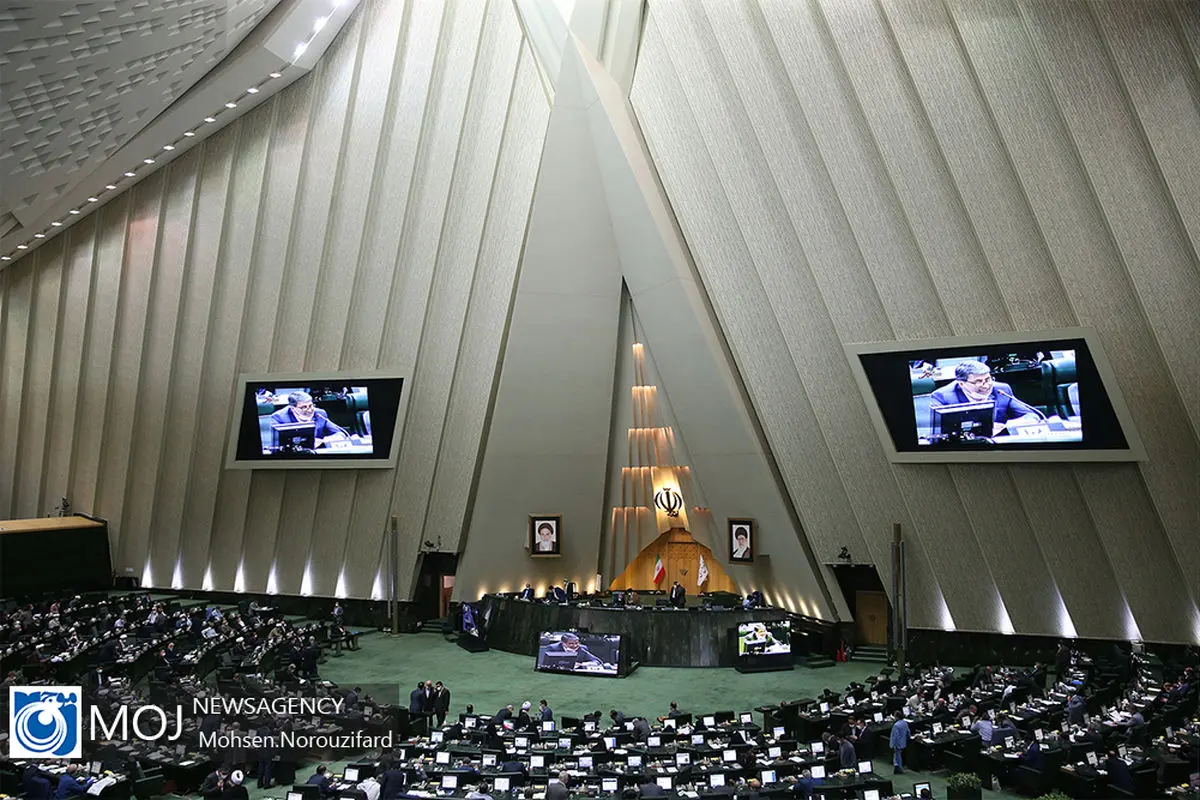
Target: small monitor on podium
818, 771
351, 774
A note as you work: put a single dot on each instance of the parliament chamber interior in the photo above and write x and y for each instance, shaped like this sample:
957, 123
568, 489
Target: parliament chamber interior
534, 399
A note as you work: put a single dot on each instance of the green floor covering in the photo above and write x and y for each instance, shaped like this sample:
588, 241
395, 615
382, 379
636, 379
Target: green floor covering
494, 679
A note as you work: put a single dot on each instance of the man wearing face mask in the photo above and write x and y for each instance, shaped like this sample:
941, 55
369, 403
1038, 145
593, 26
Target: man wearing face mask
300, 408
973, 383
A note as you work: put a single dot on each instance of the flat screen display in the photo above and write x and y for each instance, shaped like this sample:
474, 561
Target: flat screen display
764, 638
315, 421
1003, 398
585, 653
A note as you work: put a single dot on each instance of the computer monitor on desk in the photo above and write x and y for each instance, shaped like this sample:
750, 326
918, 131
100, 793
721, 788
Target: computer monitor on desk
501, 784
350, 775
609, 785
918, 788
961, 421
291, 436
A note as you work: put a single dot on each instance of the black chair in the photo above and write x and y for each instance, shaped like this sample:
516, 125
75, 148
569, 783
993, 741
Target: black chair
307, 791
1032, 782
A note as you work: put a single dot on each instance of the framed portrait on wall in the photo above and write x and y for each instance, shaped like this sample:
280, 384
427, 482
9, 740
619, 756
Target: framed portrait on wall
741, 541
545, 534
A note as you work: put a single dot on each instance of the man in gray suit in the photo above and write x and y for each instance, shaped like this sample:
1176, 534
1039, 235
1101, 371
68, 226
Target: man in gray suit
557, 790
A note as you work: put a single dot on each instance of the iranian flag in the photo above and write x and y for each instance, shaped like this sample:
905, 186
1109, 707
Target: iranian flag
660, 571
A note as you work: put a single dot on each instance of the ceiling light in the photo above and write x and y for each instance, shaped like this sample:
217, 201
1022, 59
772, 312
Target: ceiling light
210, 119
276, 74
73, 211
320, 23
300, 48
93, 199
231, 104
147, 160
129, 174
39, 236
56, 224
168, 147
189, 134
5, 258
110, 186
22, 247
252, 90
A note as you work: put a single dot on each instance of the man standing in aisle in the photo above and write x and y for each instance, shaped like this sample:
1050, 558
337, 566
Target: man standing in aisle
899, 740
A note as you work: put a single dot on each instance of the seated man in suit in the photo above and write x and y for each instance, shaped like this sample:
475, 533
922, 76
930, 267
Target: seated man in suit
322, 782
526, 593
973, 383
1118, 773
300, 408
34, 784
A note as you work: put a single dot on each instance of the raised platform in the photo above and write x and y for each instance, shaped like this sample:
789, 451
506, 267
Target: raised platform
657, 637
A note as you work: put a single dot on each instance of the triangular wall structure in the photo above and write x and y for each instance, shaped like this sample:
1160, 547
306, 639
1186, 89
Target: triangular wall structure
600, 217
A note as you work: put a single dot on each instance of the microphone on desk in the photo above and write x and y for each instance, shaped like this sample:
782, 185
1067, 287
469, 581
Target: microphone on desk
1036, 410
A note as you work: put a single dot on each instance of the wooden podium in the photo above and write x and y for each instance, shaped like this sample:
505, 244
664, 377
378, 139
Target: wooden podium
54, 554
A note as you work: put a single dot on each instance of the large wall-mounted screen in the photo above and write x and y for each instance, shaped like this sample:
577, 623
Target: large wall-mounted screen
1004, 398
770, 638
315, 421
586, 653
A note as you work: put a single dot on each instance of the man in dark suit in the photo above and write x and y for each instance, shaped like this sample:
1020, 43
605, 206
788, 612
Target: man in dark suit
651, 789
416, 699
973, 383
545, 713
441, 703
1118, 773
678, 595
321, 781
618, 719
526, 593
1076, 709
641, 729
503, 715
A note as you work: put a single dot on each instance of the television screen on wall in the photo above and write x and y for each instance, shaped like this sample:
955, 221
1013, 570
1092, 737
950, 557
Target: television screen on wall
315, 421
1010, 397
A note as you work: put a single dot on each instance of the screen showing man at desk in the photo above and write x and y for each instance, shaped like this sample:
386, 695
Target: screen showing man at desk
317, 420
298, 425
943, 401
590, 653
997, 399
764, 638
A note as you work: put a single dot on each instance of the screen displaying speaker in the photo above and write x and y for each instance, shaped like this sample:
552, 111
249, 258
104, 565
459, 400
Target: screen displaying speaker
1010, 397
314, 421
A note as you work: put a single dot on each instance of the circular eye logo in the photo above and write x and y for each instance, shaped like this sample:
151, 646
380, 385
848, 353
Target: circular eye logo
44, 722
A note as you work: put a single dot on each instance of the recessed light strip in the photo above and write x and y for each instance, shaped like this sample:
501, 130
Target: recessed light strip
189, 134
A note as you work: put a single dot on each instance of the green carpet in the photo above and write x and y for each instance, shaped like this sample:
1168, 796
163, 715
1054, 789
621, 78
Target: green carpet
494, 679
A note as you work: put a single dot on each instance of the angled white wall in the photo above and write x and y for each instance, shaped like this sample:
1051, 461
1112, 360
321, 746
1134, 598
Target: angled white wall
356, 221
853, 170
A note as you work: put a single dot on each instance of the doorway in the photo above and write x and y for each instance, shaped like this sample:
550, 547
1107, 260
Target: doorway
447, 593
871, 617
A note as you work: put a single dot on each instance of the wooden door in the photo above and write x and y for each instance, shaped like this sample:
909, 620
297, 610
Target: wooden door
871, 617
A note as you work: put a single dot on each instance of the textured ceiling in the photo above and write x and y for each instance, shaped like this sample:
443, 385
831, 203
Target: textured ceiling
79, 78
